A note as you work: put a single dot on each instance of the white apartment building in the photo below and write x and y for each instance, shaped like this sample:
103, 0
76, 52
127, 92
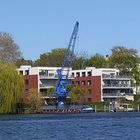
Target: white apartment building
112, 85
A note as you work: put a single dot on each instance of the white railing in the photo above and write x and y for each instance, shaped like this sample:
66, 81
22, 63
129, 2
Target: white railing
117, 94
115, 77
53, 77
45, 85
47, 77
116, 85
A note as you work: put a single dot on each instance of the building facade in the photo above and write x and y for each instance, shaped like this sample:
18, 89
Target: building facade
40, 78
99, 84
103, 84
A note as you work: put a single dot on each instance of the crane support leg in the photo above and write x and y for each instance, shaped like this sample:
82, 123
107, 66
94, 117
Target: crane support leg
60, 102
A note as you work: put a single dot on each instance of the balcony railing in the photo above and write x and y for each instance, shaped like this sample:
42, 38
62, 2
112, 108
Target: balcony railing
53, 77
117, 94
45, 85
115, 77
117, 85
48, 77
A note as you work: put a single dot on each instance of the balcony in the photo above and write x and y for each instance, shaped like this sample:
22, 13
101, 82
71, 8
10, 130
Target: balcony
48, 77
44, 86
116, 95
115, 77
117, 86
54, 77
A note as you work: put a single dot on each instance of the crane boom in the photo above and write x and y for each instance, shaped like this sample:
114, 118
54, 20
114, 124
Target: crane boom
63, 73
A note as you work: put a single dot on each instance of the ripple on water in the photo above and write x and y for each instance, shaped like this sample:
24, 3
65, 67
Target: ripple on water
94, 126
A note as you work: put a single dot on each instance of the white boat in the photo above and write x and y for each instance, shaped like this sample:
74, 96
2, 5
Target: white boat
87, 109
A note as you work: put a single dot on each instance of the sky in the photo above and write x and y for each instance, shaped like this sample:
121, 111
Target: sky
38, 26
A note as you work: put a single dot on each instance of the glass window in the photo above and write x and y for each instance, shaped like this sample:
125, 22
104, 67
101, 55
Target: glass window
89, 91
89, 99
26, 82
78, 74
77, 82
21, 72
89, 73
83, 74
89, 82
72, 74
72, 82
26, 90
83, 82
51, 74
26, 72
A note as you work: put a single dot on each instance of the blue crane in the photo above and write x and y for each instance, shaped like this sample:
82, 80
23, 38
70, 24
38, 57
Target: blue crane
60, 90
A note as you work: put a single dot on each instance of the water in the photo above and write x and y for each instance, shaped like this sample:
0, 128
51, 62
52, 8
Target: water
88, 126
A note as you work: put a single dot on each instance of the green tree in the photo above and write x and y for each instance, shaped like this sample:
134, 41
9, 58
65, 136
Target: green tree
55, 58
51, 59
9, 50
136, 77
97, 61
34, 101
23, 61
50, 91
76, 94
124, 59
79, 60
137, 98
11, 88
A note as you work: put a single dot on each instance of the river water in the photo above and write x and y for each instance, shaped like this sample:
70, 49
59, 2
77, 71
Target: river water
84, 126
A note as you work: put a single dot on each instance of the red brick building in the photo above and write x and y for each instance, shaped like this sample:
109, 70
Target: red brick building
31, 82
92, 86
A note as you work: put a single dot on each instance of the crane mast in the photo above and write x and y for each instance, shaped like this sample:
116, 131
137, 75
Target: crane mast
60, 90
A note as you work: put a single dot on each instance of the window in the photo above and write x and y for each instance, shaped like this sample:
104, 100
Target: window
43, 72
83, 74
72, 82
77, 83
26, 90
89, 99
26, 72
83, 82
89, 91
26, 82
72, 74
51, 74
78, 74
112, 75
89, 73
89, 82
21, 72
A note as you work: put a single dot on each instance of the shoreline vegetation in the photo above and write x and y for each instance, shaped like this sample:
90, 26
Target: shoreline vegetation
77, 109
